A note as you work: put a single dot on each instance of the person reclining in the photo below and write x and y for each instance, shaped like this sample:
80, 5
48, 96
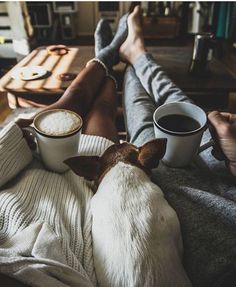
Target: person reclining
47, 217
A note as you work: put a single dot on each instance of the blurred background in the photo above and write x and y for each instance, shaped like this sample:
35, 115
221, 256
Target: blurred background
27, 25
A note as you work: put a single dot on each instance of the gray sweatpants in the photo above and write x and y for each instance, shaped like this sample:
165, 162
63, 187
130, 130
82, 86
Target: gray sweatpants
203, 194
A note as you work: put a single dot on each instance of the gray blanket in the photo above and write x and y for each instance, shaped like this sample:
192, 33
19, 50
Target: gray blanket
203, 194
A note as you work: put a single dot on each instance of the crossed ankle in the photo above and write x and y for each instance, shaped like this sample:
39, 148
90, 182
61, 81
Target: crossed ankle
96, 60
134, 56
113, 79
107, 73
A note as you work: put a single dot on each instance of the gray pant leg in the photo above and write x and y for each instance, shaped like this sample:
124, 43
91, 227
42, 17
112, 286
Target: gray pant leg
156, 82
138, 110
146, 87
203, 201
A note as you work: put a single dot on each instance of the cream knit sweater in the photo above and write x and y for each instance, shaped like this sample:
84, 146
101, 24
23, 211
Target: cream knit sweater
45, 218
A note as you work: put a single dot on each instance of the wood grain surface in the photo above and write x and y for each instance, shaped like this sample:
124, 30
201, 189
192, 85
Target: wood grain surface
73, 62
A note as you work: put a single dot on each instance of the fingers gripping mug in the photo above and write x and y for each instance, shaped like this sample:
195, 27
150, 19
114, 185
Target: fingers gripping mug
57, 133
183, 125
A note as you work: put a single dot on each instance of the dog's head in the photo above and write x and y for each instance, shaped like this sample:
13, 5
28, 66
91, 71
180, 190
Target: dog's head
94, 167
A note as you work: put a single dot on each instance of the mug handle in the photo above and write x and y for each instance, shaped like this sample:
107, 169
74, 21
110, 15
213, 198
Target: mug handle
205, 146
29, 131
31, 134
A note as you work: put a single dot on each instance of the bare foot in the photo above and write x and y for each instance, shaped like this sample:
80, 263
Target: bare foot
133, 46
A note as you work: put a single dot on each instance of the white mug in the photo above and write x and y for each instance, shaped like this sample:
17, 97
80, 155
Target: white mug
53, 149
182, 146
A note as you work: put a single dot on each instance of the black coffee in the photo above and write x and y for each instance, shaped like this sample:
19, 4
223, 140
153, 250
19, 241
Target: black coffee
178, 123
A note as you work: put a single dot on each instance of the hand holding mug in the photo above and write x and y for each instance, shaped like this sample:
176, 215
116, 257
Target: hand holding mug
223, 131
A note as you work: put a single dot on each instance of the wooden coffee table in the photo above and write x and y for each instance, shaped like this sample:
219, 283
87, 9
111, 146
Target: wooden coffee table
214, 91
48, 89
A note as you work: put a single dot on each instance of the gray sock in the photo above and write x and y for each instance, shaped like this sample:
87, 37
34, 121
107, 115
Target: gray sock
102, 36
110, 54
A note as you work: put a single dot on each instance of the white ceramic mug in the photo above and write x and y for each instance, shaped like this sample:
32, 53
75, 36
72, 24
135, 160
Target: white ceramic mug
53, 149
181, 146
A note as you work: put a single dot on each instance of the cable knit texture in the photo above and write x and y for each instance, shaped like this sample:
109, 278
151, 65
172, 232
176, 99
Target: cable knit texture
39, 207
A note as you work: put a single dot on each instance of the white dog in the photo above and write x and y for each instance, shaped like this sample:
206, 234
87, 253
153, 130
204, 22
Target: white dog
136, 234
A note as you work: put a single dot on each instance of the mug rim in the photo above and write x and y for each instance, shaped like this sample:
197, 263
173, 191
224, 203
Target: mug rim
202, 127
62, 135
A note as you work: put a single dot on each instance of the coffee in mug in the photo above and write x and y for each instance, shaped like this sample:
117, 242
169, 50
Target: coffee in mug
178, 123
183, 125
58, 123
57, 132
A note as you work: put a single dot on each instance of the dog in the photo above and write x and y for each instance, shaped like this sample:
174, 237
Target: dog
136, 234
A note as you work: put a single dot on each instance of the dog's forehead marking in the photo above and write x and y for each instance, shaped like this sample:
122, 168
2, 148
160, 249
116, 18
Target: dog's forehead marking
123, 148
124, 152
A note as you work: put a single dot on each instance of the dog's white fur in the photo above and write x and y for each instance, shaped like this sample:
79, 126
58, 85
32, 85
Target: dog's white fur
136, 234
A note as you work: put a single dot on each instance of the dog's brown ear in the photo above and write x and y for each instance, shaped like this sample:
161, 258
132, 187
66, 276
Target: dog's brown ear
151, 152
86, 166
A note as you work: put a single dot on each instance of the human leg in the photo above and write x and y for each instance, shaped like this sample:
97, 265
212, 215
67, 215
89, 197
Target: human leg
109, 55
102, 36
93, 96
199, 198
153, 78
138, 109
80, 95
100, 121
146, 86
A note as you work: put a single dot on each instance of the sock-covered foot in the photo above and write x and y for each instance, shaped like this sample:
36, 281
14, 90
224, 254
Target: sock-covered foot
110, 54
102, 36
133, 46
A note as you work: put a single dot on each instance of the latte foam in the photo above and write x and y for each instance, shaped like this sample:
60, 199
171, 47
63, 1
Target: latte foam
58, 122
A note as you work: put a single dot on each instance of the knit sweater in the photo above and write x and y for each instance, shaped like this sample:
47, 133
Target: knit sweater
45, 218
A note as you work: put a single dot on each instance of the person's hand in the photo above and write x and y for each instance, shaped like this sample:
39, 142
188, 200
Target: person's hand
23, 123
223, 131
